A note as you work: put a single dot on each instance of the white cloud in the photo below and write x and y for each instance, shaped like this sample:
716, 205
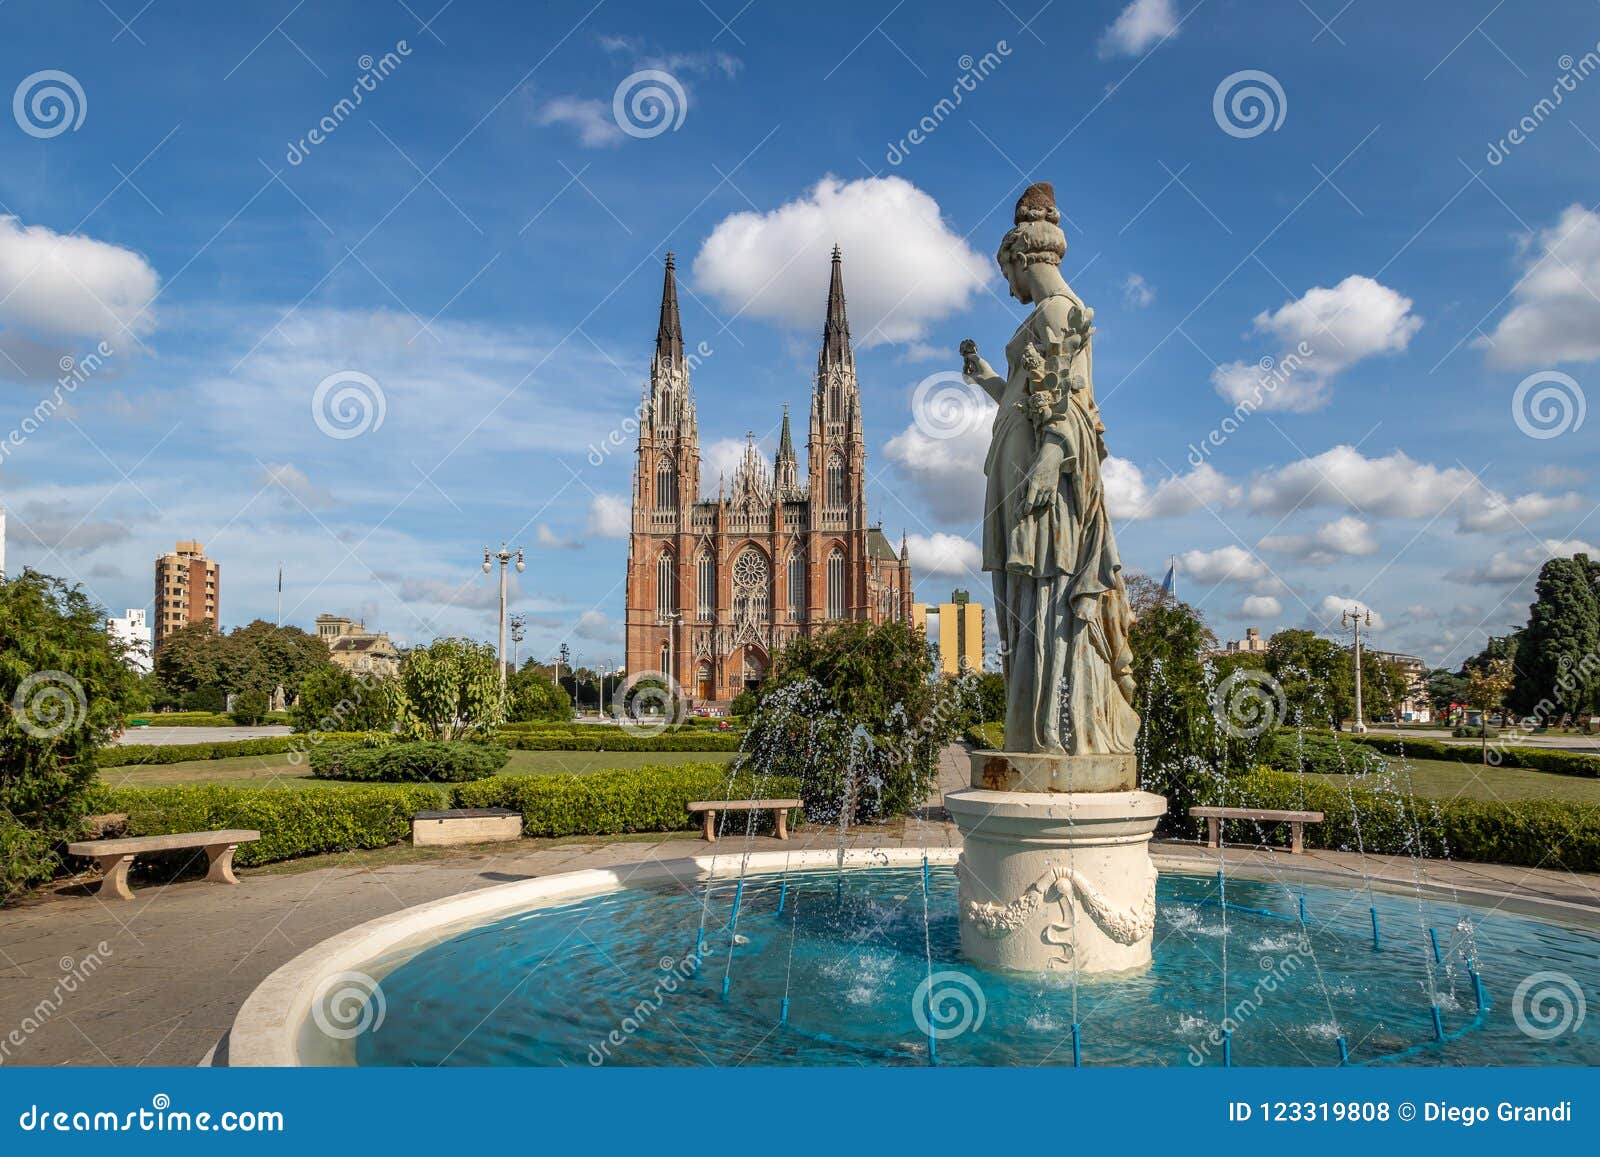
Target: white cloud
597, 627
478, 591
1395, 486
944, 554
1505, 568
945, 474
62, 526
610, 516
1345, 536
1554, 317
60, 294
1129, 497
1327, 615
550, 540
1226, 564
1136, 291
1553, 475
903, 266
294, 483
590, 118
1261, 607
1322, 334
720, 459
1139, 26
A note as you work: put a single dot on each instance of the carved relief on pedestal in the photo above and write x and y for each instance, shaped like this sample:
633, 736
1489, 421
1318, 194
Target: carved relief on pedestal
1073, 892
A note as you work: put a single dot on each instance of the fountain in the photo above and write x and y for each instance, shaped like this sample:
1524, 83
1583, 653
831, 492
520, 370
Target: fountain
1055, 867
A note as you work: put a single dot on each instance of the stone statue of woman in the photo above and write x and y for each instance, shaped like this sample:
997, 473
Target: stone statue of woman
1059, 597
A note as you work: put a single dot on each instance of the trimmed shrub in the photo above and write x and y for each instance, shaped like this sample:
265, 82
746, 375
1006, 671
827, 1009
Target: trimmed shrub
1534, 758
642, 799
987, 736
293, 822
134, 755
249, 708
1534, 833
1318, 752
421, 762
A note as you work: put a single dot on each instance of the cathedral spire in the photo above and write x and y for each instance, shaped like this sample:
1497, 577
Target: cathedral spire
836, 329
669, 335
786, 469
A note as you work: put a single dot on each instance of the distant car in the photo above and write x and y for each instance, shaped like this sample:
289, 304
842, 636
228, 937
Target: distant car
724, 726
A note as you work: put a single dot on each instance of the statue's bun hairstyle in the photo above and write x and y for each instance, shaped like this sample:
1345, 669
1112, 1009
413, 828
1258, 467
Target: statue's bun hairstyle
1037, 235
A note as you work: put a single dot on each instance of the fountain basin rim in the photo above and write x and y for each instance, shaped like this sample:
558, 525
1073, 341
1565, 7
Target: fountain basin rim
267, 1027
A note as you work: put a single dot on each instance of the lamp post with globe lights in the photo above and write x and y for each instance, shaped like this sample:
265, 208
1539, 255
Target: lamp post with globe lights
504, 555
1355, 618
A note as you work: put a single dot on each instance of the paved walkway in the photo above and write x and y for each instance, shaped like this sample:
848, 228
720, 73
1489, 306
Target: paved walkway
156, 981
146, 736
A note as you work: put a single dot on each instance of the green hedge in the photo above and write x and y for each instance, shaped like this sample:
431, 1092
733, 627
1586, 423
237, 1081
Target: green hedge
1534, 833
616, 739
302, 822
408, 762
1318, 752
643, 799
987, 736
1535, 758
135, 754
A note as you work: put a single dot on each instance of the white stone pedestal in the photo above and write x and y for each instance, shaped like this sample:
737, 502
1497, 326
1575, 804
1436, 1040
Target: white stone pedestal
1056, 880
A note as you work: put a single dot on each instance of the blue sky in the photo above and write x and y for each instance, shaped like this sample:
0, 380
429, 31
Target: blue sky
480, 241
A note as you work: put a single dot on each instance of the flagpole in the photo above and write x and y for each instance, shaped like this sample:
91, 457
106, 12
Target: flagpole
280, 595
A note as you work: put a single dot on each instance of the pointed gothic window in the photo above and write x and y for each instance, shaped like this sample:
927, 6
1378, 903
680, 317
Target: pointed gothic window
836, 585
752, 586
666, 485
666, 585
706, 588
836, 481
797, 585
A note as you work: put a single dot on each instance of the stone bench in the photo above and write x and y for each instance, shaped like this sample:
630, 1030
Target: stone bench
1297, 822
710, 807
115, 857
467, 825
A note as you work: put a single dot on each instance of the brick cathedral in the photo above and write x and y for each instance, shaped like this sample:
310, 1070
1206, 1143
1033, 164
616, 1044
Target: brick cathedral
716, 588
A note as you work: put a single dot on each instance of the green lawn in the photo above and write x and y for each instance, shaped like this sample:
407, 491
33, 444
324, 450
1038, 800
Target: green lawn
277, 771
1446, 779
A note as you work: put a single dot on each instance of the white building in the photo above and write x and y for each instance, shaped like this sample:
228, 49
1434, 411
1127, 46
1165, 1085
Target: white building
132, 630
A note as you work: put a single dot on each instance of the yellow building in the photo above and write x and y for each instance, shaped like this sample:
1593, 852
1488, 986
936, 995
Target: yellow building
958, 635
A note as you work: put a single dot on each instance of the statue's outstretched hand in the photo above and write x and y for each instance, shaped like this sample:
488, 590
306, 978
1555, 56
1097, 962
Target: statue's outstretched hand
972, 365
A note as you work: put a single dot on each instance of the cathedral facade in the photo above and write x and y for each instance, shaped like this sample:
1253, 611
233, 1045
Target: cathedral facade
717, 587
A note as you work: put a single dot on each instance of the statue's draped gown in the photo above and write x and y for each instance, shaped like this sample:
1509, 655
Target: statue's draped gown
1060, 604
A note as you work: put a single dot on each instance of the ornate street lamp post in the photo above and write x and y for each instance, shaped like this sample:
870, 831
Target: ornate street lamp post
1353, 618
505, 556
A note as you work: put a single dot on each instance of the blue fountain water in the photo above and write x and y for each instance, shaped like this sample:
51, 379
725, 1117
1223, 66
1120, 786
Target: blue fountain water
842, 975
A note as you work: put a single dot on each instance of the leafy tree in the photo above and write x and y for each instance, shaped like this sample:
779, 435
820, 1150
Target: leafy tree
531, 696
249, 707
1317, 677
334, 699
450, 689
64, 689
1556, 653
263, 656
190, 658
1169, 641
208, 698
858, 716
1486, 690
1444, 688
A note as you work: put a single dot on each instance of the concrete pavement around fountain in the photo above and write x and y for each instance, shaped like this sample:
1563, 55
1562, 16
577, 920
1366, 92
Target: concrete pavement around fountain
179, 959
